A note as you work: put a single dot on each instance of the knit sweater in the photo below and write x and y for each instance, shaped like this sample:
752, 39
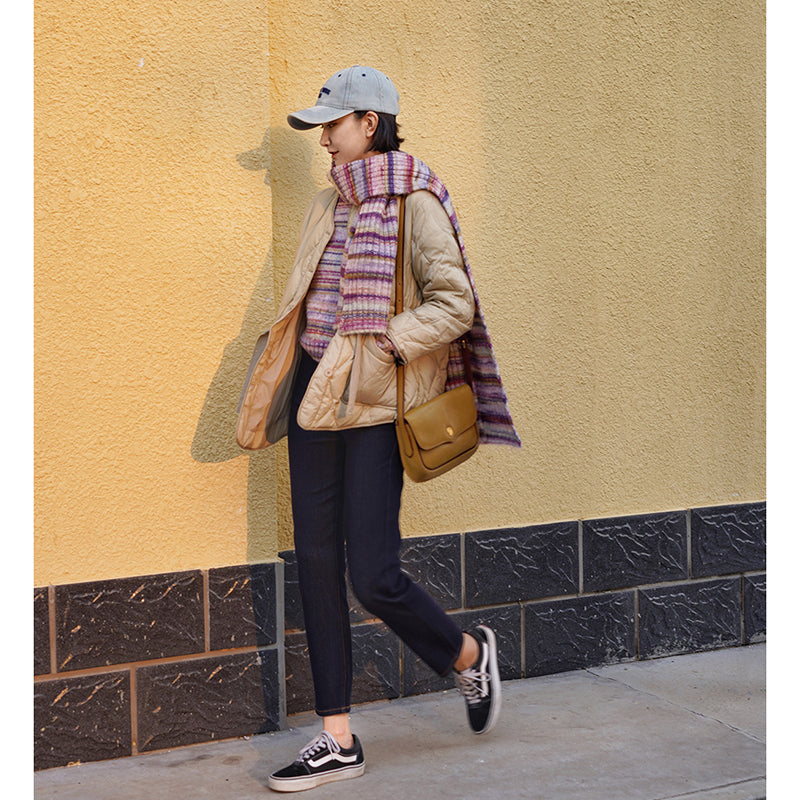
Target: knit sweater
322, 300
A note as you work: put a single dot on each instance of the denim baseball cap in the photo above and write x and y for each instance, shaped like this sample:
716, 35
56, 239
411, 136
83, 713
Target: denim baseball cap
352, 89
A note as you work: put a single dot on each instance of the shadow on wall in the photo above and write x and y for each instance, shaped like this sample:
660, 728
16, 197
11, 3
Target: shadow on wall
286, 157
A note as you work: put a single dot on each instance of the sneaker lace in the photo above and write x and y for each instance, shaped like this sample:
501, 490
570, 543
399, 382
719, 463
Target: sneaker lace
319, 743
470, 683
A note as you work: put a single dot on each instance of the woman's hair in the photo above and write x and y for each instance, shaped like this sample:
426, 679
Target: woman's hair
386, 136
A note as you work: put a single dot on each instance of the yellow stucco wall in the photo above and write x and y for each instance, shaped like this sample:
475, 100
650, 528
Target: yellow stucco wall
607, 164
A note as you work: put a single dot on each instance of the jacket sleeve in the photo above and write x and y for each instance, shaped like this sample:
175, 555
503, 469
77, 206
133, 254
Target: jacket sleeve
447, 304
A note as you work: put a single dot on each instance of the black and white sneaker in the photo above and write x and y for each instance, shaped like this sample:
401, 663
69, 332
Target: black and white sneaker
323, 760
480, 684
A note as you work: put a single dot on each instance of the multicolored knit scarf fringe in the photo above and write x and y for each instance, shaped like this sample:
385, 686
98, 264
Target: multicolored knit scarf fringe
368, 271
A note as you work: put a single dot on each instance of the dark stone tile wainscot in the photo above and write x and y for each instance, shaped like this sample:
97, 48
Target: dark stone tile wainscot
139, 664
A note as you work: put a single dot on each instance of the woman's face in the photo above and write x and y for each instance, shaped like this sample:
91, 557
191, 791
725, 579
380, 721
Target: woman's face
348, 138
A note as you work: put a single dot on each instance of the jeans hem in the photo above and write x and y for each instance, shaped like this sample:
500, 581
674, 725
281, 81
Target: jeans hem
332, 712
452, 666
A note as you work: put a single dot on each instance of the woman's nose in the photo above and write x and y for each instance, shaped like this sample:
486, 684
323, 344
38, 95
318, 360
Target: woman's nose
323, 138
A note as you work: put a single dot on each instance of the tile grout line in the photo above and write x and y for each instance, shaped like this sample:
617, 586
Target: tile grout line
51, 618
134, 714
689, 565
206, 611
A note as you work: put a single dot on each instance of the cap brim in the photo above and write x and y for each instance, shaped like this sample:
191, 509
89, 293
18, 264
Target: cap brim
317, 115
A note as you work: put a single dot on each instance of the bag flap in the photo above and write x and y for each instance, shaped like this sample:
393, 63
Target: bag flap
444, 418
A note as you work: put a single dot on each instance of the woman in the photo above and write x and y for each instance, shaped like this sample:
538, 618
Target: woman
335, 395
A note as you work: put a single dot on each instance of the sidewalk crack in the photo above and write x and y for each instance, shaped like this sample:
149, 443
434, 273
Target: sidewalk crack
699, 714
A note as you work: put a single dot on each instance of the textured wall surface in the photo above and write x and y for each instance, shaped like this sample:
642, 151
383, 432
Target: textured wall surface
151, 237
607, 163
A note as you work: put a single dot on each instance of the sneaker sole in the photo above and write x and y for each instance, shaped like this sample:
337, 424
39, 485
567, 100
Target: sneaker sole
312, 781
494, 672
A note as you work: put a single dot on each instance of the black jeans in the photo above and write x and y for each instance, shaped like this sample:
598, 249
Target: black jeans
346, 488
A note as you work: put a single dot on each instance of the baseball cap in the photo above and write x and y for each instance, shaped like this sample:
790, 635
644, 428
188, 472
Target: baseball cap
352, 89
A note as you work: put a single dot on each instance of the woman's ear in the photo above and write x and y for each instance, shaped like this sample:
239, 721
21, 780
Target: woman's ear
370, 121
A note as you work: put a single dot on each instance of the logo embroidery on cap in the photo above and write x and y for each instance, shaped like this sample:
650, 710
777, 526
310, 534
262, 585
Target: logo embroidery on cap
322, 91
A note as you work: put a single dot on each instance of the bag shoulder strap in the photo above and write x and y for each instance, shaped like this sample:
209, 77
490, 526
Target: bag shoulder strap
398, 296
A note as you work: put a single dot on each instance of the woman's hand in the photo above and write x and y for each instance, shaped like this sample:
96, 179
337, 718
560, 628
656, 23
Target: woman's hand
385, 343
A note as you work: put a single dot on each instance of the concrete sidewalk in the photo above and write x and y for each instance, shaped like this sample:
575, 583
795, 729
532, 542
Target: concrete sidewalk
691, 727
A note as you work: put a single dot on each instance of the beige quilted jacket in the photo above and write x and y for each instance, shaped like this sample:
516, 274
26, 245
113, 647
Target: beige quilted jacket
355, 382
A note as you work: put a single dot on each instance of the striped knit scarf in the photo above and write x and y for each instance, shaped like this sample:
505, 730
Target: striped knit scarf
368, 271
